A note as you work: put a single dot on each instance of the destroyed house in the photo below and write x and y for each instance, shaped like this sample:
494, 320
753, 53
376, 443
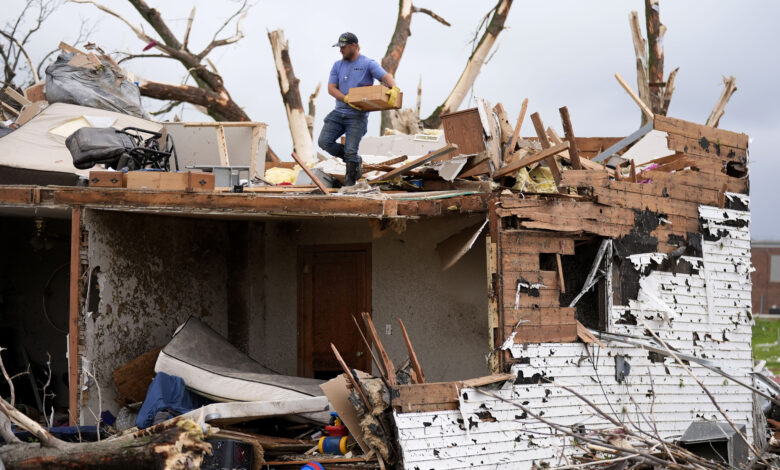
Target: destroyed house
611, 297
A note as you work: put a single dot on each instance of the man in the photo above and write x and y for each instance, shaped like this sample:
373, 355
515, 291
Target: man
353, 70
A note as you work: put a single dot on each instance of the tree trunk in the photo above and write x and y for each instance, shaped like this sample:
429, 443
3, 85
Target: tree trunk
219, 105
291, 96
473, 65
655, 48
395, 50
173, 449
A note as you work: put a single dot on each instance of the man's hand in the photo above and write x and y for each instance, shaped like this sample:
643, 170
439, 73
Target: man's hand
346, 100
393, 96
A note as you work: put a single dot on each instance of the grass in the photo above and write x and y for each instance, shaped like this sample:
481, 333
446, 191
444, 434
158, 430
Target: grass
766, 342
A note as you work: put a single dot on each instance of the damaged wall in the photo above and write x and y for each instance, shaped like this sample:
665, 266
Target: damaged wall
153, 272
676, 262
407, 282
705, 314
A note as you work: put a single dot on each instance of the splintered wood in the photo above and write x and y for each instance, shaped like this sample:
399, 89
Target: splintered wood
659, 206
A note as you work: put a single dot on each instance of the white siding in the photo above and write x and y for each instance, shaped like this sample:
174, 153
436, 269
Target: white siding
705, 314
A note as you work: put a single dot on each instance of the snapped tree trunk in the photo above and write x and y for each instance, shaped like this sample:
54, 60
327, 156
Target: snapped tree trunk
177, 448
473, 65
219, 105
395, 51
291, 96
655, 49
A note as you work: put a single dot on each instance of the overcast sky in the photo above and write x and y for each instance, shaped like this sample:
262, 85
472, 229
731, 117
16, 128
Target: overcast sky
555, 52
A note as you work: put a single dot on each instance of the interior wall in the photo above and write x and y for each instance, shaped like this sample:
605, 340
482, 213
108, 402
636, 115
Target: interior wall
445, 312
153, 273
34, 288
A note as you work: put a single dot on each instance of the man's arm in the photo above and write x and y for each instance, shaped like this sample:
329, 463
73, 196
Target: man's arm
388, 80
333, 90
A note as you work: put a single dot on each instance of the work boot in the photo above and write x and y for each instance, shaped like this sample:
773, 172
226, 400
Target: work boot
354, 173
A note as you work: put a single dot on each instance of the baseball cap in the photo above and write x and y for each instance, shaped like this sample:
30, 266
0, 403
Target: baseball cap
346, 38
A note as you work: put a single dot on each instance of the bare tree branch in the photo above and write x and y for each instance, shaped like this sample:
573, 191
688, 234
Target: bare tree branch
242, 11
729, 87
431, 14
189, 28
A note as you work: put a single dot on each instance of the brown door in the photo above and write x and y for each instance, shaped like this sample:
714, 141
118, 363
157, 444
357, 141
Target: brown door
334, 283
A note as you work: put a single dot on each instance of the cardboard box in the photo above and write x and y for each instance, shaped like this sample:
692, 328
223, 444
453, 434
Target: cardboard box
373, 98
161, 180
107, 179
200, 181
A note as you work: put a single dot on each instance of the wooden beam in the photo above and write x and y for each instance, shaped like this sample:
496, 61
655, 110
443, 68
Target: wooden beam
574, 153
378, 365
561, 283
350, 377
389, 367
311, 174
637, 100
513, 143
540, 133
74, 314
447, 151
530, 159
412, 356
16, 96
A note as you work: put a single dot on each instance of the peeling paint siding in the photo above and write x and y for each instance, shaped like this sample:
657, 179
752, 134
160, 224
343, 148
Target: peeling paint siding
691, 312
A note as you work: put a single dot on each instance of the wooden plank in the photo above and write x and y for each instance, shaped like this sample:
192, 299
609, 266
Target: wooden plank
377, 342
355, 385
74, 316
646, 202
486, 380
20, 195
448, 149
225, 124
703, 147
516, 134
586, 336
311, 174
584, 178
16, 96
545, 154
645, 109
540, 133
420, 378
574, 153
561, 280
224, 160
564, 333
464, 129
679, 192
426, 397
525, 241
699, 180
698, 131
519, 262
540, 317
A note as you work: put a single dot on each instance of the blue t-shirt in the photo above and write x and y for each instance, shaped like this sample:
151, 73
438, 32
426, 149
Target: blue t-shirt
360, 72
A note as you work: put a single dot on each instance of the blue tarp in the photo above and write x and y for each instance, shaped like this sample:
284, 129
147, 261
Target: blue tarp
167, 393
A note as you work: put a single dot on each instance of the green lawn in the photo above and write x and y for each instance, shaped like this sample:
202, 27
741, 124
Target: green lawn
766, 343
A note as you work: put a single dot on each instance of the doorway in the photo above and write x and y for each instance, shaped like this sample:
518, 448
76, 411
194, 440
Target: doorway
334, 284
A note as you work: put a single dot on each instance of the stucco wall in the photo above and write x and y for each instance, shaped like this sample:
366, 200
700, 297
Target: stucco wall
445, 312
154, 272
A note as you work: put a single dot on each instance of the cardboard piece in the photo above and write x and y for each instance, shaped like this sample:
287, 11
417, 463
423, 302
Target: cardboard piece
338, 396
373, 98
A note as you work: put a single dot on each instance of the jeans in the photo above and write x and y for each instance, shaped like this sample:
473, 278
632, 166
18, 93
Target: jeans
338, 124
